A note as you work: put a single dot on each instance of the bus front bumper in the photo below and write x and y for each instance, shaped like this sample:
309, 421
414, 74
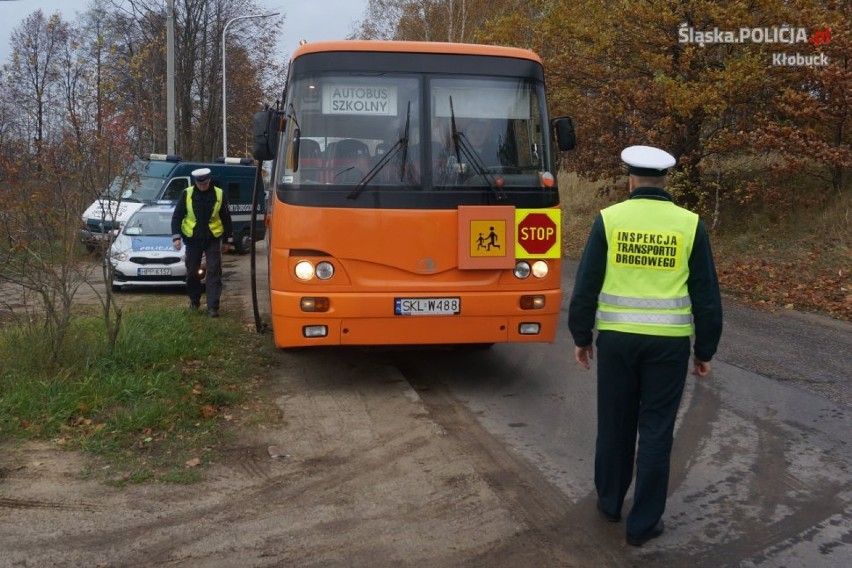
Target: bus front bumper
369, 320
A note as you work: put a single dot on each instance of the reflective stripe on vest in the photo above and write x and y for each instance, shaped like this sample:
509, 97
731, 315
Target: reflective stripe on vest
628, 302
644, 290
215, 223
645, 318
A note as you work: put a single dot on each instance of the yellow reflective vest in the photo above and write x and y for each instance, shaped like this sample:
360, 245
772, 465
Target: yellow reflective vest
644, 290
216, 226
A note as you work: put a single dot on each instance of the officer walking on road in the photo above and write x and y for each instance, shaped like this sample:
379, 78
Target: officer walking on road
646, 277
202, 219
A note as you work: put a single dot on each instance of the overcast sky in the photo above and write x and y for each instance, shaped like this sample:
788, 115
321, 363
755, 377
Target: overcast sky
313, 20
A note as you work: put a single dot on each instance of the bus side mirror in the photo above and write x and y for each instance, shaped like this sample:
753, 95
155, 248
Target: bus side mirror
264, 135
565, 136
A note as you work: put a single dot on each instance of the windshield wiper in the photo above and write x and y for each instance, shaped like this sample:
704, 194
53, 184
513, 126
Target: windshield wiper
297, 135
401, 144
462, 148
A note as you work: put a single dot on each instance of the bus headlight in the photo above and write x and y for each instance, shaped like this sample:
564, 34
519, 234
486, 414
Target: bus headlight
540, 269
325, 270
304, 270
522, 270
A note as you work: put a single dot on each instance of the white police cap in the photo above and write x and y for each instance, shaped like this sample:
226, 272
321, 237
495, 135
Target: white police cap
201, 172
647, 161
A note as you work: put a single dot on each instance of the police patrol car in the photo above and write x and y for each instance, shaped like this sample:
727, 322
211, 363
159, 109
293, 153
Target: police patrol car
162, 177
142, 253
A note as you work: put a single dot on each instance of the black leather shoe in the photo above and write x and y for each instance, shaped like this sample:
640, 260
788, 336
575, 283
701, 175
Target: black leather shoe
653, 533
607, 516
213, 313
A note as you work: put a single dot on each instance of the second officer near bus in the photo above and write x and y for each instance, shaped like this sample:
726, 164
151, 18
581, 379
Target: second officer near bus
202, 220
645, 279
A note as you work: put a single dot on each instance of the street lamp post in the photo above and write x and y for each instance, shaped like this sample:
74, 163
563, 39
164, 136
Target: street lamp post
170, 77
224, 95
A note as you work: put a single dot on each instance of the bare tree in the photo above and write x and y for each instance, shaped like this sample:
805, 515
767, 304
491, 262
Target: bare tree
33, 74
140, 66
43, 255
429, 20
381, 20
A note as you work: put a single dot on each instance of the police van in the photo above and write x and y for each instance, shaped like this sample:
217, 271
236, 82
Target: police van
162, 177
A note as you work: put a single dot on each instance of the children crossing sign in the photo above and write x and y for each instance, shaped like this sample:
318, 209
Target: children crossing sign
486, 237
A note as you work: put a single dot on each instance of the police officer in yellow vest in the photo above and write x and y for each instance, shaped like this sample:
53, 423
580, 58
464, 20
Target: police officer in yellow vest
202, 219
648, 282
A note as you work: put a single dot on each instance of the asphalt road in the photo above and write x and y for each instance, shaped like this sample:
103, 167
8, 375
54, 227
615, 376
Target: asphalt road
762, 456
762, 453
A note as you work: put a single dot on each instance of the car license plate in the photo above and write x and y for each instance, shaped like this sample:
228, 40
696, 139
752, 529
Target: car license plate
427, 306
154, 271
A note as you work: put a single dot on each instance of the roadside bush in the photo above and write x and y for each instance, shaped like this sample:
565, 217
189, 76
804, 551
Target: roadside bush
147, 406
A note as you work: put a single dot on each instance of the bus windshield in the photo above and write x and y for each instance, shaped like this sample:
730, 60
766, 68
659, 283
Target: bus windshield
486, 126
413, 132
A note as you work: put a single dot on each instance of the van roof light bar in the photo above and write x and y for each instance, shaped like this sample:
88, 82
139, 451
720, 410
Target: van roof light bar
163, 157
230, 160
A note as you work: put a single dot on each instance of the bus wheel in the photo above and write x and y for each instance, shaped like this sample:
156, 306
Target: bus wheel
243, 242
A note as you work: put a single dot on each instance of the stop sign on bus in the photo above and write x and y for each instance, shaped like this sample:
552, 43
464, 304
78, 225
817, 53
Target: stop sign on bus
538, 233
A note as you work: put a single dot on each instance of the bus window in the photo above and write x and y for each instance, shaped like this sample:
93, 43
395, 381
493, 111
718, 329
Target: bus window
347, 125
488, 124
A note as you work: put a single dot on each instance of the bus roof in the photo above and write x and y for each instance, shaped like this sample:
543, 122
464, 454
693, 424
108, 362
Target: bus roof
416, 47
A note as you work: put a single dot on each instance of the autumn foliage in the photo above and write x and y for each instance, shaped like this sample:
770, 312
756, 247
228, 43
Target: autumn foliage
756, 137
757, 141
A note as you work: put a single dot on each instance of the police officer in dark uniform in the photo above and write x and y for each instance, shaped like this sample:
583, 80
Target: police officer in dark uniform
647, 281
202, 219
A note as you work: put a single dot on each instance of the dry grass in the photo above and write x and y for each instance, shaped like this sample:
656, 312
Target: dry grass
783, 257
795, 258
581, 202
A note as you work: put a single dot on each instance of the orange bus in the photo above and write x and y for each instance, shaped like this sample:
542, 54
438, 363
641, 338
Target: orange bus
412, 197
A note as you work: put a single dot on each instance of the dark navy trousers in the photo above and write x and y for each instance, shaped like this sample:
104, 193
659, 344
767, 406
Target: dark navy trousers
640, 383
212, 248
